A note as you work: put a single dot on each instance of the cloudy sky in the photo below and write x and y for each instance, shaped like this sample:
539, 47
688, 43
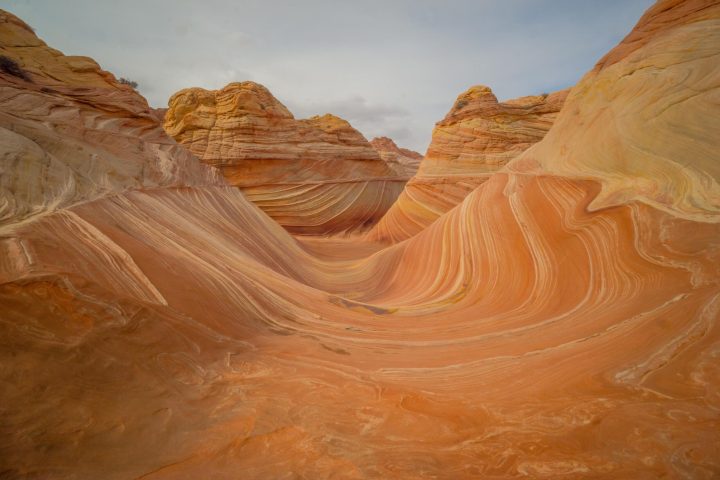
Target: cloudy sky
390, 67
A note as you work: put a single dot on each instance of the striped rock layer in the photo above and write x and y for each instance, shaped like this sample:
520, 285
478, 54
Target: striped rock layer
314, 176
475, 139
562, 321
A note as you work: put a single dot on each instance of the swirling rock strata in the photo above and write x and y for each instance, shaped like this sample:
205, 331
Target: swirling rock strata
313, 176
477, 137
534, 330
648, 139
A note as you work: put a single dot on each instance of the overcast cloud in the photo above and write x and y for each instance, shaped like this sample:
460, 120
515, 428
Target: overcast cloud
390, 67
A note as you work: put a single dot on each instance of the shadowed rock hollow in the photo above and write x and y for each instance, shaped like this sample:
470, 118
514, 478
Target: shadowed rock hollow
559, 321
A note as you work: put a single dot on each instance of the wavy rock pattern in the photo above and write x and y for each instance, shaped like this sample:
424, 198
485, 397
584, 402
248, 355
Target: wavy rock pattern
476, 138
648, 140
534, 330
313, 176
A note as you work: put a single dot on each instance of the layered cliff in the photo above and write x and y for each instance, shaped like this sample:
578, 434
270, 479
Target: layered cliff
560, 322
403, 162
476, 138
313, 176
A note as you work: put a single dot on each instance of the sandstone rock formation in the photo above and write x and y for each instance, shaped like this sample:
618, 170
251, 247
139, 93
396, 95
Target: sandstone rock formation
476, 138
69, 132
313, 176
403, 162
560, 322
648, 140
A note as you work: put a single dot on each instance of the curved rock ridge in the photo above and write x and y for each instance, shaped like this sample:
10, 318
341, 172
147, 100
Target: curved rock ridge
477, 137
403, 162
169, 333
648, 139
313, 176
69, 132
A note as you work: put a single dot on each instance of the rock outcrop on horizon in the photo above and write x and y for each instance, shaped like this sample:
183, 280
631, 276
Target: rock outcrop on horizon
404, 162
560, 322
476, 138
313, 176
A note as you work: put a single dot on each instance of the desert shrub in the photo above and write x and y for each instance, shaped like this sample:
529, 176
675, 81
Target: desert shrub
460, 104
11, 67
126, 81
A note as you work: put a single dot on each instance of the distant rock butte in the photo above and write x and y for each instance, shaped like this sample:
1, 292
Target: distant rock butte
313, 176
404, 162
476, 138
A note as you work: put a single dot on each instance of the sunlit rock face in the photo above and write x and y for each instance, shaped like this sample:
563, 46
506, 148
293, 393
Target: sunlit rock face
313, 176
638, 122
477, 137
545, 327
403, 162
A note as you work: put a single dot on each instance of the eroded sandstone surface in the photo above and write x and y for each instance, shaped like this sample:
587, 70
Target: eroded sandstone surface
561, 321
